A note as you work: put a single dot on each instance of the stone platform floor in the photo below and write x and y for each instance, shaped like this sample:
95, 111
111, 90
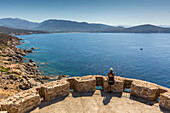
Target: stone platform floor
99, 102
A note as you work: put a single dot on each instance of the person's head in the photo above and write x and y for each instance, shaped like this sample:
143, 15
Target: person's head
111, 70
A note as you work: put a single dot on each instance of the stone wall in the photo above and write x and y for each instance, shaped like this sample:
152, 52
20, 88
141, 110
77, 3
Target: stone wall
99, 80
31, 98
72, 81
55, 89
84, 84
165, 100
118, 86
21, 102
144, 89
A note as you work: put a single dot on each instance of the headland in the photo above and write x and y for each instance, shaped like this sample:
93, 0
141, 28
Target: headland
23, 90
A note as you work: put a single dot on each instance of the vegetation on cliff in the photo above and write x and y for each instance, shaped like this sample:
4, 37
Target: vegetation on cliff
13, 31
15, 74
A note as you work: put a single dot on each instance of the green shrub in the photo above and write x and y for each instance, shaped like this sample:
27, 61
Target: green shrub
4, 55
5, 63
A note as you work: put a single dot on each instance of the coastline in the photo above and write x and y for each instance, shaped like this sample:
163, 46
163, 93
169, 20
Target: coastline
16, 75
22, 83
18, 34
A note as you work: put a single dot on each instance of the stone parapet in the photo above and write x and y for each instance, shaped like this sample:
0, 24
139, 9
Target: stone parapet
72, 81
99, 79
162, 89
85, 84
118, 86
144, 89
55, 89
29, 99
165, 100
127, 82
21, 102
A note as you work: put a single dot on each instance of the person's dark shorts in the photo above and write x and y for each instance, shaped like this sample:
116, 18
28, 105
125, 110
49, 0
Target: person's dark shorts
111, 82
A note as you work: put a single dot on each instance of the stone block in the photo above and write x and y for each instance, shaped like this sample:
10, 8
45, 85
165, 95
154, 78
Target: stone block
99, 79
85, 84
165, 100
3, 112
117, 87
163, 89
72, 81
55, 89
127, 82
144, 89
22, 102
105, 83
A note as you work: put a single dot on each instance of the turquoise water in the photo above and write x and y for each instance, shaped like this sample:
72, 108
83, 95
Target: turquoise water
79, 54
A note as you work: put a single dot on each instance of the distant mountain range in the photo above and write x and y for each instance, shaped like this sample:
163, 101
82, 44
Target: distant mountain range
53, 25
13, 31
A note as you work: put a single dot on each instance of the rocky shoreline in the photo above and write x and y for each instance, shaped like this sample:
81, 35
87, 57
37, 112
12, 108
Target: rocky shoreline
15, 74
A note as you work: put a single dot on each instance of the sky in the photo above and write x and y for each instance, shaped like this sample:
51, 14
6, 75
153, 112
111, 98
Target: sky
111, 12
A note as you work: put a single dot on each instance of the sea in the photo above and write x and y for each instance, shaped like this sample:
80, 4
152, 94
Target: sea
144, 56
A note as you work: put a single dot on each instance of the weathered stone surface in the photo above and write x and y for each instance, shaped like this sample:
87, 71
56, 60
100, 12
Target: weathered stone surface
98, 104
85, 84
144, 89
163, 89
3, 112
16, 71
55, 89
72, 81
33, 82
127, 82
165, 100
22, 102
99, 80
118, 86
105, 83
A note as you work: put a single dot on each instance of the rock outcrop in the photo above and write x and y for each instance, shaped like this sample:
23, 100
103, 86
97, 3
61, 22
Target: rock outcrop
15, 74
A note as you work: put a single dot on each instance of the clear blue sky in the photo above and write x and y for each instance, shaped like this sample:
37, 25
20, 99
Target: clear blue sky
112, 12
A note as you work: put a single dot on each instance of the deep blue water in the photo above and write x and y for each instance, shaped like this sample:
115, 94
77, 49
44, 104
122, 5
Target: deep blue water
79, 54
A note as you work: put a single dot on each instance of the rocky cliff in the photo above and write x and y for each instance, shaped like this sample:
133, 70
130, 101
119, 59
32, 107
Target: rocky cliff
15, 74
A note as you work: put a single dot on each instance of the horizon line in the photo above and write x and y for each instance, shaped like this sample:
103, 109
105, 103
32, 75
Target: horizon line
83, 21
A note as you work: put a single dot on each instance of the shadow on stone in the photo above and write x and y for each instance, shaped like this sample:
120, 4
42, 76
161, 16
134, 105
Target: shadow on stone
82, 94
142, 100
108, 96
164, 110
113, 94
47, 103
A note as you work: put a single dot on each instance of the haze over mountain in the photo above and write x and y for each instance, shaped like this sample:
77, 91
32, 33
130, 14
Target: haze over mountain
147, 28
13, 31
54, 25
66, 25
17, 23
